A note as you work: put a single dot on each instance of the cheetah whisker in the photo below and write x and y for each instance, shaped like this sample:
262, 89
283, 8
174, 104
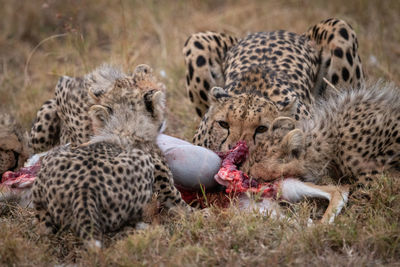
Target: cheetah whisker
331, 85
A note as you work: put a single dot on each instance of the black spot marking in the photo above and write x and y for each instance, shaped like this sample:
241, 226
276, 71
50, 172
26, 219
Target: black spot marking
217, 40
106, 169
335, 78
331, 38
338, 52
328, 63
203, 95
190, 70
345, 74
200, 61
206, 85
198, 45
198, 111
358, 72
349, 57
344, 34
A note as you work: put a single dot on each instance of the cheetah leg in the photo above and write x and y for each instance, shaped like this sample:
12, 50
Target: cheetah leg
294, 190
44, 222
340, 61
205, 54
43, 219
45, 132
168, 195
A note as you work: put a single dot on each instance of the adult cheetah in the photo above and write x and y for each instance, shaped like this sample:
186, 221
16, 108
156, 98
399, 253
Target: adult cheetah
278, 67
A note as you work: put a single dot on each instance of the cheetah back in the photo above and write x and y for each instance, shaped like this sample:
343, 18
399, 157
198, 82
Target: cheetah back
94, 188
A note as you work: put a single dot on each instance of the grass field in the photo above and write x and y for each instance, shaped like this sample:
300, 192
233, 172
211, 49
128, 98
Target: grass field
41, 40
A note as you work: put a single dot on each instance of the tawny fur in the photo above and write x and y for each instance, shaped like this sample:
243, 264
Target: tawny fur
64, 119
106, 183
279, 66
14, 149
353, 137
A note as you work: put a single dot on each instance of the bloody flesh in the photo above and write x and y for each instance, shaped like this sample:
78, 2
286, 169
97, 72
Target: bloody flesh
24, 177
237, 181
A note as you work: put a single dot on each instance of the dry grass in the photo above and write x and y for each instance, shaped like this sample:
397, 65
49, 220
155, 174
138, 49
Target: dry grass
366, 233
41, 40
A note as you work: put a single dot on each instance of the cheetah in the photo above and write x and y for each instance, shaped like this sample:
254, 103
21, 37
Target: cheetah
65, 119
353, 137
14, 149
280, 67
104, 184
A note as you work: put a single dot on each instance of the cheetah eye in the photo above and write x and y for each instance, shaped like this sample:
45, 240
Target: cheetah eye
261, 129
223, 124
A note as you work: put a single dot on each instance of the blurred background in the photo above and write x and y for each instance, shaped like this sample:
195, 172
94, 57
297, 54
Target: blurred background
42, 40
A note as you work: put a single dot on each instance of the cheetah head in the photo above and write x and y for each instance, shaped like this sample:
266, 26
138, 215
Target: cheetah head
129, 107
13, 144
234, 117
281, 154
104, 79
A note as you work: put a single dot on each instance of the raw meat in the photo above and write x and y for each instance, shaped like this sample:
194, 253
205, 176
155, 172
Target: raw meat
237, 181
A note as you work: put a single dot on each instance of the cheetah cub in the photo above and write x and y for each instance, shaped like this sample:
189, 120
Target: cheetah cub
354, 135
106, 183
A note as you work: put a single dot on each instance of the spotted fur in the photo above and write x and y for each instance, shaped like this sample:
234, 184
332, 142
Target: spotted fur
353, 137
104, 184
280, 66
64, 119
13, 144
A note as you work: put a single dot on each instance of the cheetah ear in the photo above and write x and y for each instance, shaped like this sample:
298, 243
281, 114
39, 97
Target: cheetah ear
218, 93
99, 115
289, 109
154, 101
293, 143
282, 125
145, 79
102, 80
141, 71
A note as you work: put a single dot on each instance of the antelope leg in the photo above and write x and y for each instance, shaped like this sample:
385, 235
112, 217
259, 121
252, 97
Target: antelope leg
294, 190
